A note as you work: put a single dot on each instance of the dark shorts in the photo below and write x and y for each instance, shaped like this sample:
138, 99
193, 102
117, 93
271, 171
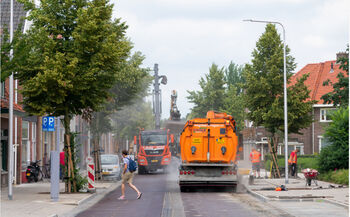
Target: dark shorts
256, 166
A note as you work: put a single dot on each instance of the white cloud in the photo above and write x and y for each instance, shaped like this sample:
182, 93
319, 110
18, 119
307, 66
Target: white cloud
186, 36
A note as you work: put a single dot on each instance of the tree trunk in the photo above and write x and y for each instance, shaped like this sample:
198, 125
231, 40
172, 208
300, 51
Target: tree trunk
96, 136
68, 152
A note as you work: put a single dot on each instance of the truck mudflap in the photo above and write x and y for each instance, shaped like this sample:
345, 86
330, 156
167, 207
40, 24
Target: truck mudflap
208, 175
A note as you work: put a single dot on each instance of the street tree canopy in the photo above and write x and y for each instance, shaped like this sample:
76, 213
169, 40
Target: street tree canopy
71, 57
264, 87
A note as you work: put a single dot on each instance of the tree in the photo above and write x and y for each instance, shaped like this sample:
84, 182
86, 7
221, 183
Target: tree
71, 57
234, 100
264, 90
264, 87
336, 155
212, 95
340, 93
233, 76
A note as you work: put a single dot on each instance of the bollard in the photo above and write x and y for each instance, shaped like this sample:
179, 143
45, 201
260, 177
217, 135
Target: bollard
91, 177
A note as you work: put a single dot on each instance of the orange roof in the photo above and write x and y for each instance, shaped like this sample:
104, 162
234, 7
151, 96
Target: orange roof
319, 72
4, 103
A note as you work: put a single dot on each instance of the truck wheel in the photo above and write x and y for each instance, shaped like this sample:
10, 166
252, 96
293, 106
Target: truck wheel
141, 170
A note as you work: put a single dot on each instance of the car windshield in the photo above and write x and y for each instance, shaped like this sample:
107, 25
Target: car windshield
154, 139
109, 159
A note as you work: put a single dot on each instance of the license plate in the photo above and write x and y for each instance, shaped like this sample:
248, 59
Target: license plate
154, 160
106, 173
28, 174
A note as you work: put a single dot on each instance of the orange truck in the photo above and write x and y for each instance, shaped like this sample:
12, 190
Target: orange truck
153, 150
208, 152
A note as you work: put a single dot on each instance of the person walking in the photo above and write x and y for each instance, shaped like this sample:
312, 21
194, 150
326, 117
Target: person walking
255, 159
127, 177
62, 163
293, 161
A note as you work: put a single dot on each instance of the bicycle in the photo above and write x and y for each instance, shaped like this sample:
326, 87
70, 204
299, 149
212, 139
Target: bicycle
46, 171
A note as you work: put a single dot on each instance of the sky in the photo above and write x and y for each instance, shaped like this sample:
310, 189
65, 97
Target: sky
186, 36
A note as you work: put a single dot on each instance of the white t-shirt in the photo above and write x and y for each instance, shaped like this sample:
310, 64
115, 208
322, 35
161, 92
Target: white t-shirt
126, 162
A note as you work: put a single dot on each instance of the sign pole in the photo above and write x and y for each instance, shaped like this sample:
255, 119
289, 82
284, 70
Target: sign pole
49, 125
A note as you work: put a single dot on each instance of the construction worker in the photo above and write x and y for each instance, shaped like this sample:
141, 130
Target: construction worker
293, 161
255, 159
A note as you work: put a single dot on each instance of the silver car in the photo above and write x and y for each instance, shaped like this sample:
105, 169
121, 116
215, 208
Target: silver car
110, 166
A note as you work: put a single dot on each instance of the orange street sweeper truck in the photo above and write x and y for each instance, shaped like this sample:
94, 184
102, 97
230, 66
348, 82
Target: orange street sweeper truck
208, 152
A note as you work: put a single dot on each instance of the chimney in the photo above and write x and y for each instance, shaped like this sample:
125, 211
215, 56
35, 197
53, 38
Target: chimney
332, 68
342, 55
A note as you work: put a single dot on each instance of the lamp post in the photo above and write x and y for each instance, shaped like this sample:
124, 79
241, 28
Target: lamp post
10, 136
285, 93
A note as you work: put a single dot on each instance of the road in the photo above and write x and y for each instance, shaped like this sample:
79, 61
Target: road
161, 197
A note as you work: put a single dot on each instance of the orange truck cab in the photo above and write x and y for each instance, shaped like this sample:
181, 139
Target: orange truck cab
208, 152
153, 150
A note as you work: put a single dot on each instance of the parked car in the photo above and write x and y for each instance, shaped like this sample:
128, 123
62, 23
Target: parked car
111, 167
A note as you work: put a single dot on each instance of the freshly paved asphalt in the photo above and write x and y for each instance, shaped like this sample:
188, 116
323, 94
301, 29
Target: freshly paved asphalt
161, 197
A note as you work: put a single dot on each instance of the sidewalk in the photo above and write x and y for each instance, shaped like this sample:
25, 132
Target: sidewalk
34, 200
324, 196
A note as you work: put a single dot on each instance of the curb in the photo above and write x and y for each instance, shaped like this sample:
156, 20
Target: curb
257, 195
91, 200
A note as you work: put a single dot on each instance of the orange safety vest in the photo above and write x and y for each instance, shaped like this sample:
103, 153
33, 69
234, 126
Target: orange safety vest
293, 157
255, 157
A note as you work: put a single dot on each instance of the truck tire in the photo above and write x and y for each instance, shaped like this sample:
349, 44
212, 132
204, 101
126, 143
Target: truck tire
141, 170
183, 188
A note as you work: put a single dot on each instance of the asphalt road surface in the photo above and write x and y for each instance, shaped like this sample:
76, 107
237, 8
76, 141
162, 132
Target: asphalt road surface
161, 197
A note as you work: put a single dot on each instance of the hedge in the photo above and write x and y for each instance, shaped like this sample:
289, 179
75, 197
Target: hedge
304, 161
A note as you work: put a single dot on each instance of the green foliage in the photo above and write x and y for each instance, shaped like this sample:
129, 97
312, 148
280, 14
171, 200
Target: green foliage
340, 93
339, 176
81, 181
233, 77
264, 87
222, 92
212, 95
234, 98
7, 66
336, 155
304, 161
72, 56
234, 105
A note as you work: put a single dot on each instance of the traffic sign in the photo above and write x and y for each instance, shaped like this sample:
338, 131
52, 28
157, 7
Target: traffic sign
48, 123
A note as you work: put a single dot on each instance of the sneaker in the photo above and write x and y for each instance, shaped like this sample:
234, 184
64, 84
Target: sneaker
139, 196
121, 198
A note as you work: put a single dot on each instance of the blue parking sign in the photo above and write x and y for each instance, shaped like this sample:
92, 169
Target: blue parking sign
48, 123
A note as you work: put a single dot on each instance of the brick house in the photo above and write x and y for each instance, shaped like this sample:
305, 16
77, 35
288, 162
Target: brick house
311, 141
27, 129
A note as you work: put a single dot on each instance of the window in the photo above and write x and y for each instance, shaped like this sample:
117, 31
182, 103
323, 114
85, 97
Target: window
2, 89
322, 142
324, 115
34, 141
25, 144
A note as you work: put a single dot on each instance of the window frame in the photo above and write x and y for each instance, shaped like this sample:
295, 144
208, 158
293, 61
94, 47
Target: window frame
323, 117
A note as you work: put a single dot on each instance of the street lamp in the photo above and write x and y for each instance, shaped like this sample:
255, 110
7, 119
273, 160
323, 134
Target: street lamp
285, 93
